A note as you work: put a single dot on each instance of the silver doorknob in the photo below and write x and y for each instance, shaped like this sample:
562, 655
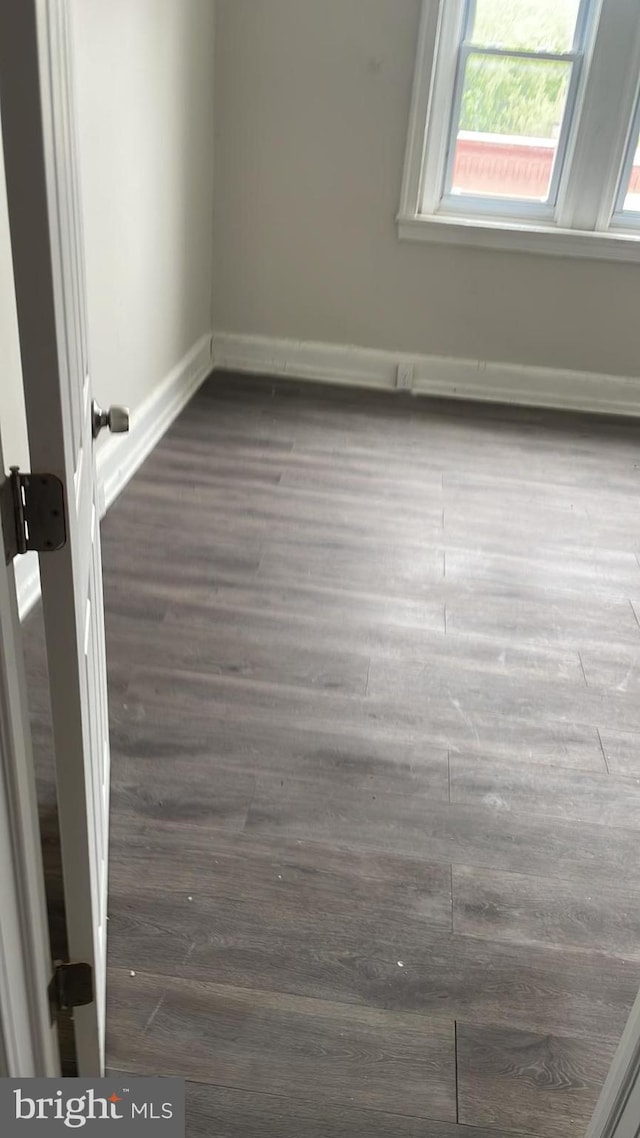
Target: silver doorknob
116, 419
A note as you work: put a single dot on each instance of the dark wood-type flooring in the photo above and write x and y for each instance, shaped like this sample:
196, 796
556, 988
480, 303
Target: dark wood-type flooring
374, 672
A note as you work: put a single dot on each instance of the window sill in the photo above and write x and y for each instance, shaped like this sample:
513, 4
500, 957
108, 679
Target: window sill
519, 237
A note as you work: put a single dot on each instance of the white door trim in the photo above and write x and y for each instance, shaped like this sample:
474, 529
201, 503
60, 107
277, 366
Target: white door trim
617, 1113
28, 1041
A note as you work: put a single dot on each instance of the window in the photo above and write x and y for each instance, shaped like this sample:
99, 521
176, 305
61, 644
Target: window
525, 126
628, 201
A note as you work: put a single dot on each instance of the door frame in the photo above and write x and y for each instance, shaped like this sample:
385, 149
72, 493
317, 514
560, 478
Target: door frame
617, 1112
45, 224
28, 1037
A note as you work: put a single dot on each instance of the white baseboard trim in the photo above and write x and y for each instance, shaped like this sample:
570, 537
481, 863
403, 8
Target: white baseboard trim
433, 375
119, 456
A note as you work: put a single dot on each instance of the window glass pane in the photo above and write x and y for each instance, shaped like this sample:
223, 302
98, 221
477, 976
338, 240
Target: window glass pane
527, 25
510, 121
632, 190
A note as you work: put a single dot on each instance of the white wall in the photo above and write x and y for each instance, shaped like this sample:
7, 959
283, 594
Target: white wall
144, 78
144, 90
312, 103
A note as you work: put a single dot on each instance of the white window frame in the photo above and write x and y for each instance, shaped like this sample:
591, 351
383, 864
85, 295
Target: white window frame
625, 217
582, 221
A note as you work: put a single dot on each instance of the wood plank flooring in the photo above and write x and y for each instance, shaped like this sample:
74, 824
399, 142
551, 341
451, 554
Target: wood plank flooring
374, 666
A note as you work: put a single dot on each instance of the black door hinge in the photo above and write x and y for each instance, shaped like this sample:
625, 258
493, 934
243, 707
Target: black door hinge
33, 514
71, 986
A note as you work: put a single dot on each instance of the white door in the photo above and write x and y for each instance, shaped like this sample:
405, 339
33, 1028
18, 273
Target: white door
28, 1044
36, 102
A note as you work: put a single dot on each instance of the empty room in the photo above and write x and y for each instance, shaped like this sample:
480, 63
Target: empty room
320, 614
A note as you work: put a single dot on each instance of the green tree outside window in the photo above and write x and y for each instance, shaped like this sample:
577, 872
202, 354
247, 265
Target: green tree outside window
518, 96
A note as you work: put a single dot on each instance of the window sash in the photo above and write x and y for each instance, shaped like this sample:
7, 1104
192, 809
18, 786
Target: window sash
485, 203
580, 32
461, 25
